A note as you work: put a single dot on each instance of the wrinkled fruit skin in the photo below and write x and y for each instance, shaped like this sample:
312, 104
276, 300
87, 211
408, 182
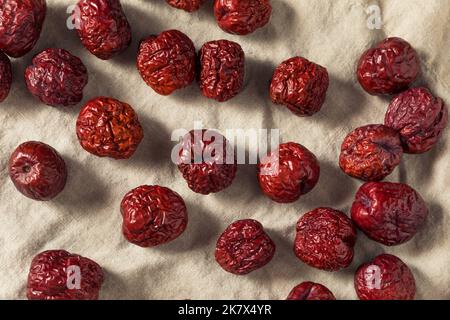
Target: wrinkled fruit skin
167, 62
310, 291
203, 162
221, 69
153, 215
390, 213
419, 117
300, 85
104, 29
37, 170
289, 173
244, 247
242, 17
385, 278
325, 239
107, 127
371, 153
5, 76
186, 5
56, 77
20, 25
388, 68
49, 274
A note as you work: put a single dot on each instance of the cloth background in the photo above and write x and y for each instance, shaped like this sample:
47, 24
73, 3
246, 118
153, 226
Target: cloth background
85, 217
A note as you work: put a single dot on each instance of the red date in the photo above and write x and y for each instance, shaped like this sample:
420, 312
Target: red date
167, 62
244, 247
37, 170
56, 77
186, 5
107, 127
5, 76
419, 117
371, 152
20, 25
153, 215
310, 291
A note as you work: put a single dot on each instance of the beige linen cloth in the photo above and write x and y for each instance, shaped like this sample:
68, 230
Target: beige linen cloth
85, 217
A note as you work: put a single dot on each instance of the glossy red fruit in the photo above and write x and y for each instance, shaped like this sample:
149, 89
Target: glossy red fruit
288, 172
5, 76
107, 127
300, 85
103, 27
152, 215
390, 213
186, 5
388, 68
53, 275
167, 62
420, 118
221, 69
56, 77
242, 17
371, 152
385, 278
244, 247
20, 25
37, 170
310, 291
325, 239
204, 163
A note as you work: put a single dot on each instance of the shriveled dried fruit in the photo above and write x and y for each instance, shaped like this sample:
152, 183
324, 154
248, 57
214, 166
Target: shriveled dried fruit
103, 27
167, 62
371, 152
385, 278
5, 76
107, 127
390, 213
53, 275
300, 85
221, 69
242, 17
186, 5
20, 25
244, 247
325, 239
203, 161
56, 77
288, 172
310, 291
152, 215
420, 118
388, 68
37, 170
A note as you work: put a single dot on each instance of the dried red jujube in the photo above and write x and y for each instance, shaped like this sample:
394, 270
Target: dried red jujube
5, 76
371, 152
385, 278
244, 247
103, 27
325, 239
287, 173
107, 127
221, 69
20, 25
300, 85
152, 215
242, 17
310, 291
167, 62
37, 170
204, 163
388, 68
186, 5
420, 118
56, 77
51, 273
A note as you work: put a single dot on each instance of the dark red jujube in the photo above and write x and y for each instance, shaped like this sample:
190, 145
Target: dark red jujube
310, 291
186, 5
5, 76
